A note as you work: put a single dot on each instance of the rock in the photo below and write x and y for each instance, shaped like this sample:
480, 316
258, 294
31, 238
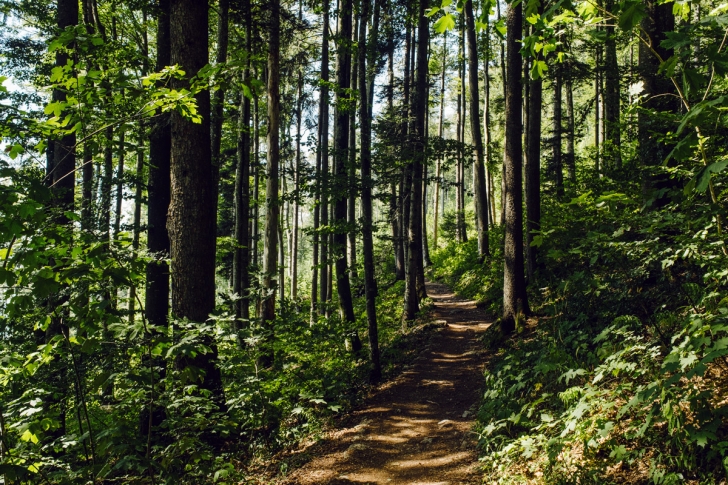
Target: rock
466, 414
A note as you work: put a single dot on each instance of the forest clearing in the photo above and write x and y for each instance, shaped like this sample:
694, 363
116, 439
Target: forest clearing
363, 241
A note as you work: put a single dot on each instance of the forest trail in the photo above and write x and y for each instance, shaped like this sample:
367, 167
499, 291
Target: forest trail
417, 428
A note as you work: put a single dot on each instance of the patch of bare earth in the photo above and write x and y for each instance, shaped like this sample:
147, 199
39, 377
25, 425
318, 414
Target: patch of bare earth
416, 429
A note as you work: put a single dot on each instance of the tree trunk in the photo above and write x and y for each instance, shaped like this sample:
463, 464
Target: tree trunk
533, 172
366, 73
119, 184
612, 139
658, 95
191, 221
270, 262
296, 189
137, 222
515, 302
158, 193
480, 193
557, 161
411, 305
241, 257
341, 156
438, 169
351, 183
324, 147
570, 130
218, 98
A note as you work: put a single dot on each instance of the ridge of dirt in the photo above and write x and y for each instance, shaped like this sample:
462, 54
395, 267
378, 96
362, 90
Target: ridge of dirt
416, 428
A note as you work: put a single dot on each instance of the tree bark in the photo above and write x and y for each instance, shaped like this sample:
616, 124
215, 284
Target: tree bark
351, 202
341, 156
366, 74
324, 147
241, 257
438, 168
481, 195
515, 302
612, 139
268, 313
533, 172
557, 162
191, 220
158, 192
218, 98
411, 306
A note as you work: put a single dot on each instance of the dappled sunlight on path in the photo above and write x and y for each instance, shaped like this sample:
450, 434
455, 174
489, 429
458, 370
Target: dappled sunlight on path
415, 429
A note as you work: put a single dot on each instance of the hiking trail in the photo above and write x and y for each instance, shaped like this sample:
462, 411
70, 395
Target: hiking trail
417, 428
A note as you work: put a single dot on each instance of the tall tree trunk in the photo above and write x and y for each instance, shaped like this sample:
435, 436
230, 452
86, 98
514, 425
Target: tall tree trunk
597, 110
486, 124
218, 98
394, 205
556, 159
270, 262
324, 147
533, 171
137, 221
158, 192
366, 76
256, 183
658, 95
612, 127
351, 202
406, 180
191, 222
341, 156
570, 131
241, 257
296, 188
438, 169
119, 184
515, 302
411, 299
461, 224
481, 195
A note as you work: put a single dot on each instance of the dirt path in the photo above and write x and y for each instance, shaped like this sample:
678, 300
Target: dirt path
415, 429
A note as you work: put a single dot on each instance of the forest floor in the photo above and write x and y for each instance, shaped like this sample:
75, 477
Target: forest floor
417, 427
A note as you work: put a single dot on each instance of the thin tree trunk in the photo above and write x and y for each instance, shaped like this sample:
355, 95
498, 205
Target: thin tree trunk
119, 185
612, 127
324, 144
556, 159
351, 203
515, 302
218, 98
270, 262
570, 154
297, 188
366, 73
533, 172
438, 169
241, 257
137, 222
480, 193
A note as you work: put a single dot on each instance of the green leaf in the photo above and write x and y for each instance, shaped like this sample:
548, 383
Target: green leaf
703, 178
539, 69
668, 67
446, 22
431, 11
631, 16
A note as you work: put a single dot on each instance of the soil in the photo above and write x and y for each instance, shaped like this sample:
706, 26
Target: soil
417, 428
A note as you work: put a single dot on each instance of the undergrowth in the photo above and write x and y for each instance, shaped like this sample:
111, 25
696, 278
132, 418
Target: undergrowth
622, 375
